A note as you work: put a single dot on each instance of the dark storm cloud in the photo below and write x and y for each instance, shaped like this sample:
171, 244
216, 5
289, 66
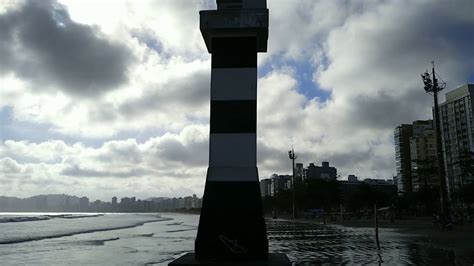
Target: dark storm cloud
189, 92
383, 111
39, 42
82, 172
190, 154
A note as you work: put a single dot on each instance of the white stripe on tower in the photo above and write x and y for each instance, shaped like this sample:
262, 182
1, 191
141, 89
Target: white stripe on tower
233, 84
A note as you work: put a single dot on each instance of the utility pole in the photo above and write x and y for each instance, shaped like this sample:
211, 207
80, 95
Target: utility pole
293, 156
433, 86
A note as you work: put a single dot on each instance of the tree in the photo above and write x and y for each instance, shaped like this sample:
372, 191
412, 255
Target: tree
466, 164
427, 195
426, 171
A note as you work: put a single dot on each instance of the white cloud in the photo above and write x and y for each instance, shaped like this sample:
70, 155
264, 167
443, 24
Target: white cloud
172, 163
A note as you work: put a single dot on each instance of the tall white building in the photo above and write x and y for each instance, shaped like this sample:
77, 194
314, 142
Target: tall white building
457, 124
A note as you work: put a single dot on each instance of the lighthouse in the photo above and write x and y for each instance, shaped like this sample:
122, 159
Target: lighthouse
231, 224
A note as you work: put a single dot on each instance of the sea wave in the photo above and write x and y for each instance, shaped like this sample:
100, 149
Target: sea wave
99, 242
145, 235
37, 238
175, 223
75, 216
20, 219
181, 230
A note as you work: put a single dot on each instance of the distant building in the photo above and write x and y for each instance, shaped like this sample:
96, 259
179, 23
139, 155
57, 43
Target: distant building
325, 172
423, 155
280, 183
348, 188
84, 204
352, 178
266, 187
125, 205
299, 170
457, 127
415, 155
395, 180
372, 181
114, 200
67, 203
402, 135
196, 203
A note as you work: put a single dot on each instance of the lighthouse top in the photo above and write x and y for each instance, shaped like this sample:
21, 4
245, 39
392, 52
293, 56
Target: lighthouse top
241, 4
236, 18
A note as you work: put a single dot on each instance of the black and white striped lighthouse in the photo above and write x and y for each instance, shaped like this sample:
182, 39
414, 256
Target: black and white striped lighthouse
231, 224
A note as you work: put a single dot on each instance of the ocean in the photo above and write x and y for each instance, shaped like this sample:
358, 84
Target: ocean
157, 239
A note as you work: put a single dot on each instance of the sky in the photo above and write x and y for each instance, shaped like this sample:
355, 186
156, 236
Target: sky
111, 98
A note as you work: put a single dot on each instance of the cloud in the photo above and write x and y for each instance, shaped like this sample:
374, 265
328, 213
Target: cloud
167, 102
76, 171
370, 60
190, 92
367, 54
170, 163
9, 167
166, 90
40, 43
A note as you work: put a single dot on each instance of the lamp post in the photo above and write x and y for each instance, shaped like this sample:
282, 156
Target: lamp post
431, 85
293, 156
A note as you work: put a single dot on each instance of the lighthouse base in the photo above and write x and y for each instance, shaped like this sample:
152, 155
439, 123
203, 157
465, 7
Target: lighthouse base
231, 225
273, 259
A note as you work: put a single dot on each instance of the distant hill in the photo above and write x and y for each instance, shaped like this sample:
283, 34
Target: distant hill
51, 202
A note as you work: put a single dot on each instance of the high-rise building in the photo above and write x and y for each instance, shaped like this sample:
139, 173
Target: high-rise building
402, 135
320, 172
84, 203
265, 187
299, 169
279, 183
457, 123
423, 155
352, 178
114, 200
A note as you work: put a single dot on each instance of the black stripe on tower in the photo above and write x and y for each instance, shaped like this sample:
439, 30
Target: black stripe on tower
234, 52
233, 116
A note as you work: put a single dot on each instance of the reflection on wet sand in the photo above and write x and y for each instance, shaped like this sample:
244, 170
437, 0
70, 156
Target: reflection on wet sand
311, 243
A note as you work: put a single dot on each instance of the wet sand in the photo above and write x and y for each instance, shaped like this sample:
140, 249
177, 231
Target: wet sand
459, 242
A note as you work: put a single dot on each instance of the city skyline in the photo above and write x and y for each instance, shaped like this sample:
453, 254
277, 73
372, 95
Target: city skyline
75, 203
109, 100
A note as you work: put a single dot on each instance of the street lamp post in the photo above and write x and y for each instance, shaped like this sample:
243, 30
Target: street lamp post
293, 156
433, 86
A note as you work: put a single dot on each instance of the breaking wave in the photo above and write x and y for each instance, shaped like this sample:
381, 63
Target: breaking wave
37, 238
99, 242
19, 219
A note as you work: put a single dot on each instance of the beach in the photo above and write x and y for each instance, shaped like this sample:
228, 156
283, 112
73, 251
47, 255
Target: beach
157, 239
